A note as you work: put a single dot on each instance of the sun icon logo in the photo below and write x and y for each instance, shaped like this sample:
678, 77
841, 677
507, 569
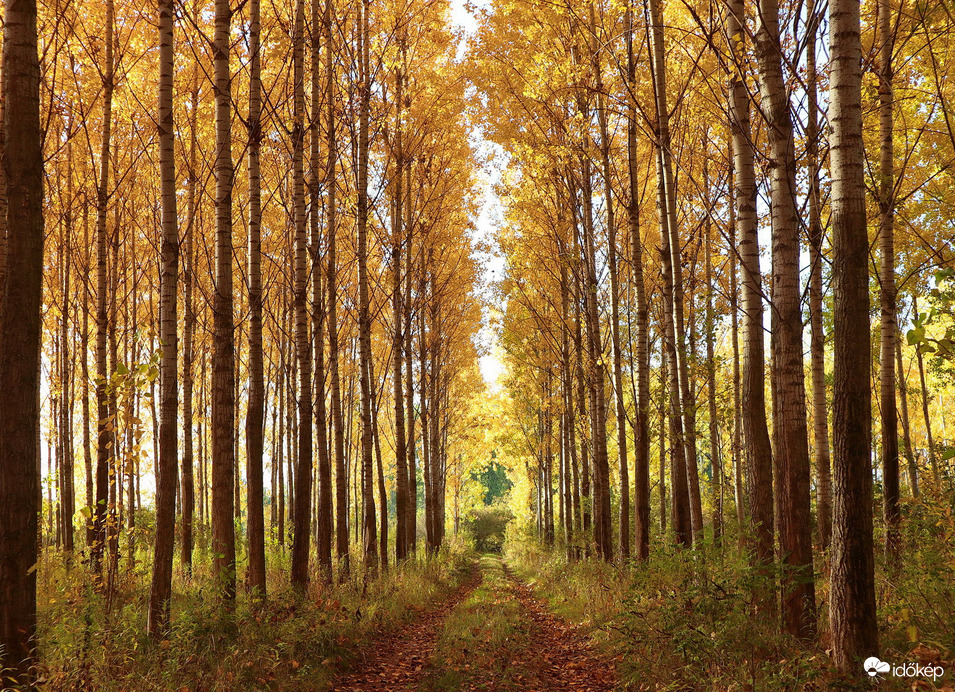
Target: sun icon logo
873, 666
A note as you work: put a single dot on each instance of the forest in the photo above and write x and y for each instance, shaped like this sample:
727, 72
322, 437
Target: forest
492, 345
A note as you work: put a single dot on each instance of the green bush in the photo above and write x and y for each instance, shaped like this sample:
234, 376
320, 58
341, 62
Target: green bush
488, 526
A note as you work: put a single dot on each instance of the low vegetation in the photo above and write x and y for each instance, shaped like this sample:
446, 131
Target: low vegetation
685, 620
94, 641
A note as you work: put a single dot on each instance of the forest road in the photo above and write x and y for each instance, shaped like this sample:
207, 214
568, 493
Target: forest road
493, 636
562, 658
398, 661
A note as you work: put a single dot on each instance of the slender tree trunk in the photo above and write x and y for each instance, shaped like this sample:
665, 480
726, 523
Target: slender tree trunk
255, 417
595, 368
820, 411
621, 412
716, 460
364, 306
85, 376
664, 378
755, 432
382, 491
168, 467
792, 453
20, 324
323, 538
222, 422
904, 414
68, 500
189, 323
398, 349
411, 527
341, 480
104, 427
933, 460
673, 273
303, 343
852, 606
888, 326
734, 335
641, 349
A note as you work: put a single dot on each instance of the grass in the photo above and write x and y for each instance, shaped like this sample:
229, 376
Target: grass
292, 642
481, 637
685, 621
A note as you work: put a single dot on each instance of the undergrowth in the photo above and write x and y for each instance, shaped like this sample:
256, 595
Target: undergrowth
291, 642
687, 619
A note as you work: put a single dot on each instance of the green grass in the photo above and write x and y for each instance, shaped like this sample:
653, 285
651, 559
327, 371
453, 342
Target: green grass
482, 638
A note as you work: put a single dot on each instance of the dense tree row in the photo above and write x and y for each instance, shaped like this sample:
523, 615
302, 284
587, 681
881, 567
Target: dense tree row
262, 226
650, 152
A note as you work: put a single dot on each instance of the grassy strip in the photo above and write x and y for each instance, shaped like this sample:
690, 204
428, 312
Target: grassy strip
484, 638
289, 643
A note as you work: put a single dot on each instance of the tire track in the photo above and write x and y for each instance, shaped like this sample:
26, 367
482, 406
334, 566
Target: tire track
561, 657
398, 661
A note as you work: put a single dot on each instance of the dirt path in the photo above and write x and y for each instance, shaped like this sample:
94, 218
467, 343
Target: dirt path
561, 657
492, 634
399, 660
502, 638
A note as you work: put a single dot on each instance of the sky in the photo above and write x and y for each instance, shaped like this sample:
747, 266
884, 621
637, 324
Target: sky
489, 217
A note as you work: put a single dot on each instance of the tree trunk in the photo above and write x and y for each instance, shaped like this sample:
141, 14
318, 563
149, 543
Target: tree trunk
303, 344
933, 461
104, 445
904, 414
734, 334
820, 410
323, 538
364, 307
792, 452
755, 433
411, 527
641, 349
68, 499
189, 323
621, 412
888, 326
20, 324
852, 606
673, 274
168, 467
255, 418
222, 421
341, 480
398, 349
716, 461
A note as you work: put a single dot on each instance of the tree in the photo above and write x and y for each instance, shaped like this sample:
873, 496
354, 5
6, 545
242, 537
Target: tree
303, 344
20, 323
852, 613
817, 339
755, 432
105, 427
364, 317
167, 471
682, 418
398, 239
888, 328
255, 417
222, 422
789, 401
